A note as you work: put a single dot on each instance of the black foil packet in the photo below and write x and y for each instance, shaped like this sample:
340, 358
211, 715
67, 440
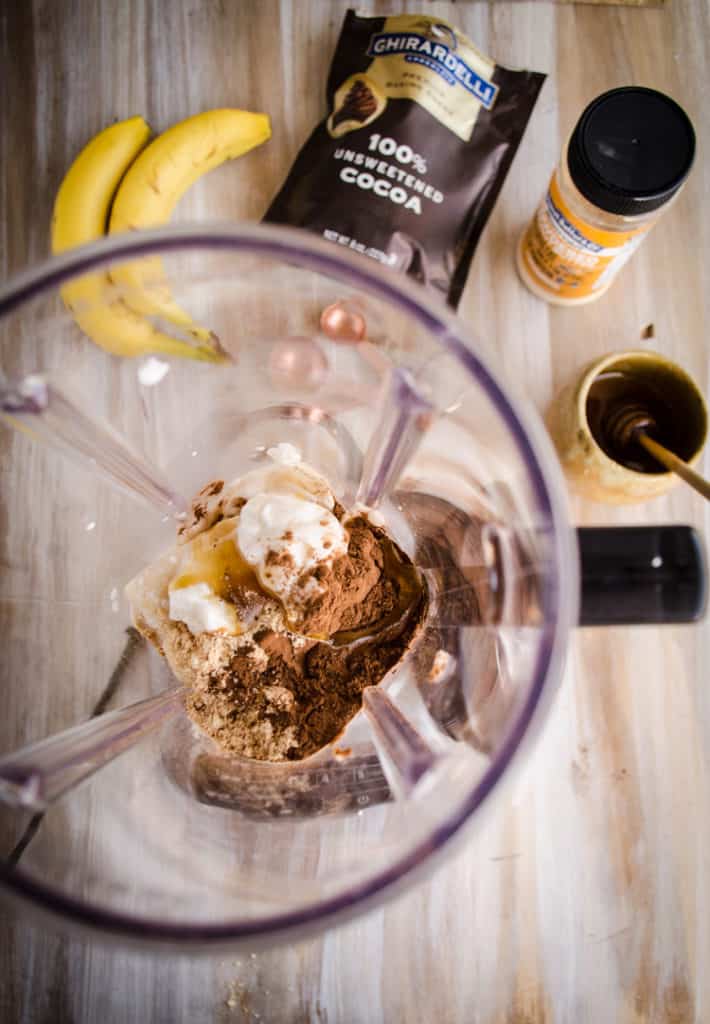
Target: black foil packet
407, 166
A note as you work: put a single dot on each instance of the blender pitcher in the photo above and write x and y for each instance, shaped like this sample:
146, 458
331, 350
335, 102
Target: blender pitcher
175, 841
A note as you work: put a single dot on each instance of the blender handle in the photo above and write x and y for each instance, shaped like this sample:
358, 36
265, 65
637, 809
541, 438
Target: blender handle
632, 575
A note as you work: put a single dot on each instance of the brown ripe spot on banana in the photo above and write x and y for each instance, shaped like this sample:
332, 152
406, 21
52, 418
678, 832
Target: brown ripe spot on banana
357, 102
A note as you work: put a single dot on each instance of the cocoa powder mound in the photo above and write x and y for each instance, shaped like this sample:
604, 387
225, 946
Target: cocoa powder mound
300, 700
283, 696
356, 591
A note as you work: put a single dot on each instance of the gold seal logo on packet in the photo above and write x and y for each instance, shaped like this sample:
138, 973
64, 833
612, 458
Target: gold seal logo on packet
356, 103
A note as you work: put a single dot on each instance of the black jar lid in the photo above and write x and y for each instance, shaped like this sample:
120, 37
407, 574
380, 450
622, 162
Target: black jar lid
631, 150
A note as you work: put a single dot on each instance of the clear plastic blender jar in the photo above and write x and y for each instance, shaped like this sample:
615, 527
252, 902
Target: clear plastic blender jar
175, 842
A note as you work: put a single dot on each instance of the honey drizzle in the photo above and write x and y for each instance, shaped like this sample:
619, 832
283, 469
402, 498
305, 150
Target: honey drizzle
214, 558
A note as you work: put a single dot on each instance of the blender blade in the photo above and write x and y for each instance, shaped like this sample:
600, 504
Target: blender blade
45, 413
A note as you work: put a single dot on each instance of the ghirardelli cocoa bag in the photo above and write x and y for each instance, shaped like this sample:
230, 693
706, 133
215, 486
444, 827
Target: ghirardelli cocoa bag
420, 133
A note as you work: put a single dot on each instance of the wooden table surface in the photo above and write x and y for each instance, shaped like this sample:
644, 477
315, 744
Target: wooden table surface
587, 899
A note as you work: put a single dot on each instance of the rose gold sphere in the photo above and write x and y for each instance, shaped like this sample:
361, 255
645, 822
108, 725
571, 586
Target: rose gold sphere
341, 322
297, 364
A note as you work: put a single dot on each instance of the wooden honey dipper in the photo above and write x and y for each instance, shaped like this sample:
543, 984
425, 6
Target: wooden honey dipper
631, 425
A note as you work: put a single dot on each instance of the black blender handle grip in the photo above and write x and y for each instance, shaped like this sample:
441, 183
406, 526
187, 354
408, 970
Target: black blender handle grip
641, 574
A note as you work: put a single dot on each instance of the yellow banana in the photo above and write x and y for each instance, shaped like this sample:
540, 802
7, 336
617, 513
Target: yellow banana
82, 204
80, 215
159, 177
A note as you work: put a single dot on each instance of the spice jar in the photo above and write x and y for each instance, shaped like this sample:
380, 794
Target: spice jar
626, 159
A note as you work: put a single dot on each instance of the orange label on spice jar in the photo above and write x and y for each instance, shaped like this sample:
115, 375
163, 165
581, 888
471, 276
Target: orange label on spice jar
568, 258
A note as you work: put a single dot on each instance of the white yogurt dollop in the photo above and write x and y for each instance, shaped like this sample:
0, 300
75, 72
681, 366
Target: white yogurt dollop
202, 610
282, 537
